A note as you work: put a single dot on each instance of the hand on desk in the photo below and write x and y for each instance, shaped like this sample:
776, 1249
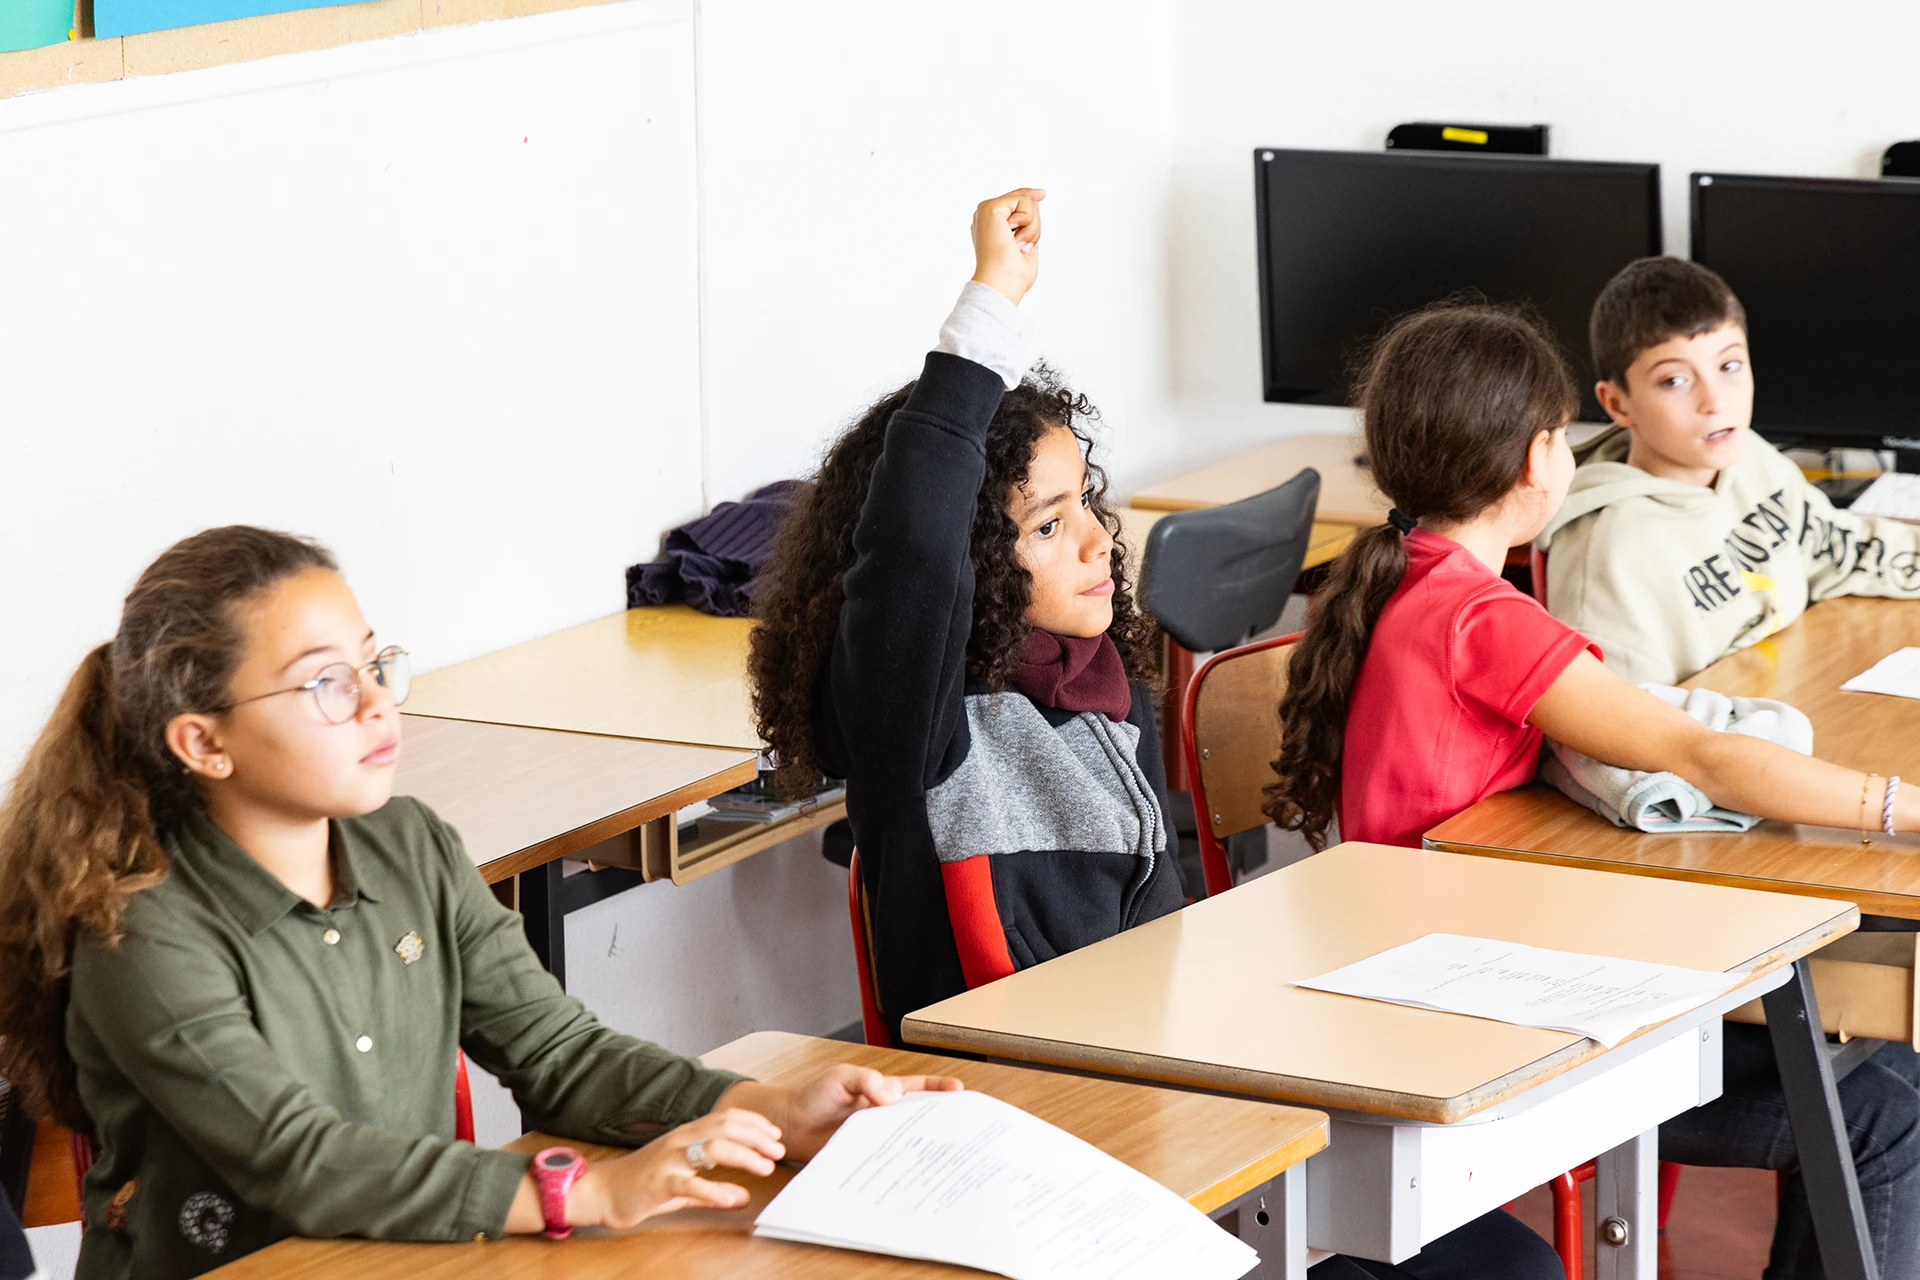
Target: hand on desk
750, 1127
809, 1113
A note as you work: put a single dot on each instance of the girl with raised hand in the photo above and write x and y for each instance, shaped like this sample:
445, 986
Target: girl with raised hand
1424, 682
228, 954
948, 627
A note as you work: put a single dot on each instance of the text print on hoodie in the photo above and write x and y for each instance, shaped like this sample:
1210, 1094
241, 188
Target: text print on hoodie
1668, 577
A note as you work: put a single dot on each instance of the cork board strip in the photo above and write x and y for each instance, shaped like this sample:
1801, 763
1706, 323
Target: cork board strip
90, 61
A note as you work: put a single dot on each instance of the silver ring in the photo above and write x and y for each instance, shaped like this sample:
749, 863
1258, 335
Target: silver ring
697, 1155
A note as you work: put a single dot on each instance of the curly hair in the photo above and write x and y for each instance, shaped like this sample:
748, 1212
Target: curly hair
81, 830
797, 607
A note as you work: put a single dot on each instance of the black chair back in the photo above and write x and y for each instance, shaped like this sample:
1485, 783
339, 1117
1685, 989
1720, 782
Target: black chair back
16, 1144
1215, 577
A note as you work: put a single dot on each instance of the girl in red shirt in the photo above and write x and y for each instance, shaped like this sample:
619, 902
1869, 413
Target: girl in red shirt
1425, 682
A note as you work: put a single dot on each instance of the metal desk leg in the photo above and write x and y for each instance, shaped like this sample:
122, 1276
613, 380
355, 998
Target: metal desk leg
544, 918
1819, 1134
1272, 1219
1626, 1210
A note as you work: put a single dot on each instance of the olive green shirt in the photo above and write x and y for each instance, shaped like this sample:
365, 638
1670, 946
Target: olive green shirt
257, 1067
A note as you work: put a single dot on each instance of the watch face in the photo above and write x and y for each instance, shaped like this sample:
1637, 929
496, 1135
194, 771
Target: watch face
558, 1160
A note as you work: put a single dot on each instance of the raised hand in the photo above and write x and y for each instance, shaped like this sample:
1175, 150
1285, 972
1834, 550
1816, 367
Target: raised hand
1006, 242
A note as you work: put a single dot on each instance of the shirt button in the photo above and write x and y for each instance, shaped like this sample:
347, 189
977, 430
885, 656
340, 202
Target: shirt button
330, 937
364, 1044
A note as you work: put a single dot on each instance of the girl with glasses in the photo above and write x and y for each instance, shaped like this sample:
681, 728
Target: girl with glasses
229, 954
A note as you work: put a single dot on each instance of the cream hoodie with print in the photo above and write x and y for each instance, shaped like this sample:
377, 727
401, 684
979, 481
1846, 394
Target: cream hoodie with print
1667, 577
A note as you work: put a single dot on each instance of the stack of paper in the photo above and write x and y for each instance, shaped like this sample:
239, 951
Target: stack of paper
1595, 996
1898, 674
967, 1179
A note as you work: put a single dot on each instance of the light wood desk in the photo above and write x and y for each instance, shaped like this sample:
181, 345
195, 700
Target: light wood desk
1803, 665
1216, 1152
669, 673
521, 798
1437, 1118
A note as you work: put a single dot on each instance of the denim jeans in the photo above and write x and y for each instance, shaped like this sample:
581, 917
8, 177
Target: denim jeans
1746, 1127
16, 1260
1497, 1246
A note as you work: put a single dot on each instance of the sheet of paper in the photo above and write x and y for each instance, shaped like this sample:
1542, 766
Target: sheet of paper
1593, 996
1898, 674
968, 1179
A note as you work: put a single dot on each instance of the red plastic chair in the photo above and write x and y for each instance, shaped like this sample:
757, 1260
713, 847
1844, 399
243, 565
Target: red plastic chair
1228, 734
1537, 572
871, 1022
81, 1147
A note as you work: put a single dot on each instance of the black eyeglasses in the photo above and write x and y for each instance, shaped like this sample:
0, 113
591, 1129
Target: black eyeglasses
337, 689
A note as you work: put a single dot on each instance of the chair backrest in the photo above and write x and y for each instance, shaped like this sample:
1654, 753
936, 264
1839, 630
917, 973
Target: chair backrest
1230, 733
1537, 573
871, 1022
16, 1145
1215, 576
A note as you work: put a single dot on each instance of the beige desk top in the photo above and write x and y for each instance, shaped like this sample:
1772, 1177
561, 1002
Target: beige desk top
1203, 997
668, 673
523, 797
1347, 495
1803, 665
1210, 1150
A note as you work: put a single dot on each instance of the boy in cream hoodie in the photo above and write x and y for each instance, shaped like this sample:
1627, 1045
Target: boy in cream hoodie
1685, 536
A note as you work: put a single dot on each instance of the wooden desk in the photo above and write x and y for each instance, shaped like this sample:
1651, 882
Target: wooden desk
1214, 1151
1347, 494
1202, 998
521, 798
668, 673
1803, 665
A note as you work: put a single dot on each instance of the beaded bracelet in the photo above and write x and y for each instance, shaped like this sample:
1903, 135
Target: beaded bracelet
1886, 806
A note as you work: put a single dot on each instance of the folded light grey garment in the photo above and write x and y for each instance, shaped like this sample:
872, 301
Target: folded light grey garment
1666, 801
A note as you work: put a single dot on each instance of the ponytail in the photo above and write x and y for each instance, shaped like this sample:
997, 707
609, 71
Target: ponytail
1451, 398
81, 829
75, 840
1321, 672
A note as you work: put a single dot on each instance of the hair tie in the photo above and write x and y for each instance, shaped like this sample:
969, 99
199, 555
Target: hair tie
1402, 521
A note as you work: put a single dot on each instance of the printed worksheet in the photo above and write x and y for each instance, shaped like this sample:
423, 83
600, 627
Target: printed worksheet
1898, 674
968, 1179
1595, 996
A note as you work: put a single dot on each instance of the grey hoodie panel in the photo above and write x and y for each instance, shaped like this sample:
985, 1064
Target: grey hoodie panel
1018, 790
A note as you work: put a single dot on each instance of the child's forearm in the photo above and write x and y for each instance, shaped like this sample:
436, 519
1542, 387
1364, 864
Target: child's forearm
1755, 776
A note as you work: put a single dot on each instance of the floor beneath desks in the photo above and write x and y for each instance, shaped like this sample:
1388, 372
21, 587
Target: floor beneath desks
1720, 1228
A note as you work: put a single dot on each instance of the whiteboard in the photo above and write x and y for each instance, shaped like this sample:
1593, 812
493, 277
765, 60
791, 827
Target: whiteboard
431, 299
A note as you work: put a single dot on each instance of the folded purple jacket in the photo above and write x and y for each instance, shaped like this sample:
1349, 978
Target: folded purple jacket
711, 562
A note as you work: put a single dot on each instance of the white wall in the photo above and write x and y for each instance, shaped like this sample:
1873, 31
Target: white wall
431, 299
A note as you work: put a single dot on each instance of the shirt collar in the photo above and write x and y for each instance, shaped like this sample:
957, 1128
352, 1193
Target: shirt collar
254, 896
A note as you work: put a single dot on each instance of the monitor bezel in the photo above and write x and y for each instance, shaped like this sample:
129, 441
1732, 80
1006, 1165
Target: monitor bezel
1649, 171
1875, 440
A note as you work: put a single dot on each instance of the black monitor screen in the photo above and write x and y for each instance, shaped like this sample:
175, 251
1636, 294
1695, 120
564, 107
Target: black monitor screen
1829, 274
1351, 239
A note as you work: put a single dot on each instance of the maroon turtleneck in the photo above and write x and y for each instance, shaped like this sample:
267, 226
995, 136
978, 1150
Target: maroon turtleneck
1074, 673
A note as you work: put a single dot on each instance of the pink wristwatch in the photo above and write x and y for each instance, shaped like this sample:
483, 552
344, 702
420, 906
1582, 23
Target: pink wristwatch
555, 1170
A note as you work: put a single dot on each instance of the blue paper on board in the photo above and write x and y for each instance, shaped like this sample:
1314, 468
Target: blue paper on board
131, 17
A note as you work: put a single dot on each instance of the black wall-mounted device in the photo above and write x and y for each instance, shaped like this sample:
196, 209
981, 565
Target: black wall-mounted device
1506, 139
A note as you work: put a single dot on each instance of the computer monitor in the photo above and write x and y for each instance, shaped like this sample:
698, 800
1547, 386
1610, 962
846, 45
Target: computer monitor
1351, 239
1829, 273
